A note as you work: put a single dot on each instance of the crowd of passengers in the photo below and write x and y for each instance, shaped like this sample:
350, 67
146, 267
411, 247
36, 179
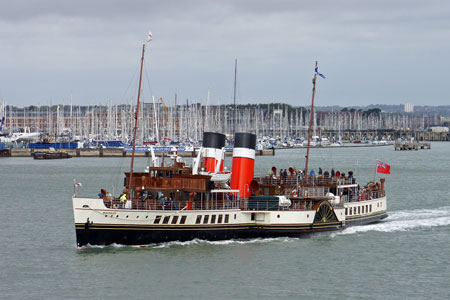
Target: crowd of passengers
321, 176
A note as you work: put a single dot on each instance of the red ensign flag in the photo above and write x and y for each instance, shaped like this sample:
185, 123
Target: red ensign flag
383, 167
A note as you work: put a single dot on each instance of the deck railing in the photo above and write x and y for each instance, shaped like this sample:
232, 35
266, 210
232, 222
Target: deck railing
163, 204
303, 180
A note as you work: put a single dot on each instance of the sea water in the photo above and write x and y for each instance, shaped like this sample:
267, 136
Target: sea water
407, 256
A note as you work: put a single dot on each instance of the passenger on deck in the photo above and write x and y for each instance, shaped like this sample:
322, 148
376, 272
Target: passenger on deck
285, 176
102, 194
338, 173
333, 173
123, 199
312, 172
326, 174
320, 171
350, 177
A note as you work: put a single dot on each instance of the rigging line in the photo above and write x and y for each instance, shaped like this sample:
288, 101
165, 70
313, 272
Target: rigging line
115, 177
146, 68
133, 78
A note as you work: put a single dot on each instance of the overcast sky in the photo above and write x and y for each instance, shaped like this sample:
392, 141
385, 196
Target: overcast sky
88, 52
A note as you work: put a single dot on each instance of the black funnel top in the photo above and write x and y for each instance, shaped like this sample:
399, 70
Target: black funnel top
245, 140
213, 140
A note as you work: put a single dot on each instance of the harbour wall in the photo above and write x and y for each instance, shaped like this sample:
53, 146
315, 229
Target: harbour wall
116, 152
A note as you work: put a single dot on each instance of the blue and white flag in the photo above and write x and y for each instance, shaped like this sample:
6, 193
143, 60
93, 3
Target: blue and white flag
317, 72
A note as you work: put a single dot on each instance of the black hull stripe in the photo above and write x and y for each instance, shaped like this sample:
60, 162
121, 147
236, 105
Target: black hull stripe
99, 234
374, 215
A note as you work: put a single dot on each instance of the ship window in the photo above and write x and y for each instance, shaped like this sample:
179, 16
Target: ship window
166, 220
362, 209
174, 219
227, 218
157, 220
219, 219
234, 216
354, 210
367, 208
198, 220
346, 211
206, 219
183, 220
213, 219
370, 208
252, 216
350, 211
359, 210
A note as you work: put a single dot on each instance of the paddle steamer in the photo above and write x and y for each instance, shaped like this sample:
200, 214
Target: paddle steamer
181, 203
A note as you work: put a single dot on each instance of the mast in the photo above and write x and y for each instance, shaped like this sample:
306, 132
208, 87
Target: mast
310, 120
135, 124
234, 97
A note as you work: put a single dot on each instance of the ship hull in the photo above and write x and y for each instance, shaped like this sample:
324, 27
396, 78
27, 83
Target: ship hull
96, 224
104, 235
364, 220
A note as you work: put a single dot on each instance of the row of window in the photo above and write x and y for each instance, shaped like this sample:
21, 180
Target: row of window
358, 210
206, 219
167, 218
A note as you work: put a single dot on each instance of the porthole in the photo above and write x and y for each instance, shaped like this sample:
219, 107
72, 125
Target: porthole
117, 216
307, 216
106, 216
127, 216
137, 217
146, 217
278, 216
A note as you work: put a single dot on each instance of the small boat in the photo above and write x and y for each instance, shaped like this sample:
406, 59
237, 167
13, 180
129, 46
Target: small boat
51, 154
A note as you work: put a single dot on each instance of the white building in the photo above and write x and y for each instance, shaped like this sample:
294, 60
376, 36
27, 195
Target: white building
409, 107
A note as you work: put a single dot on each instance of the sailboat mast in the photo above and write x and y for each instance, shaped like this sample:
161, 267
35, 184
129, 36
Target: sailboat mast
136, 122
310, 120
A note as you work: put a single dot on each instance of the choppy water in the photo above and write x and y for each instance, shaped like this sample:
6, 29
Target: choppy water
405, 257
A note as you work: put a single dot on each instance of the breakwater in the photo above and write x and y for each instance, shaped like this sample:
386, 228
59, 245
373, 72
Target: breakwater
117, 152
